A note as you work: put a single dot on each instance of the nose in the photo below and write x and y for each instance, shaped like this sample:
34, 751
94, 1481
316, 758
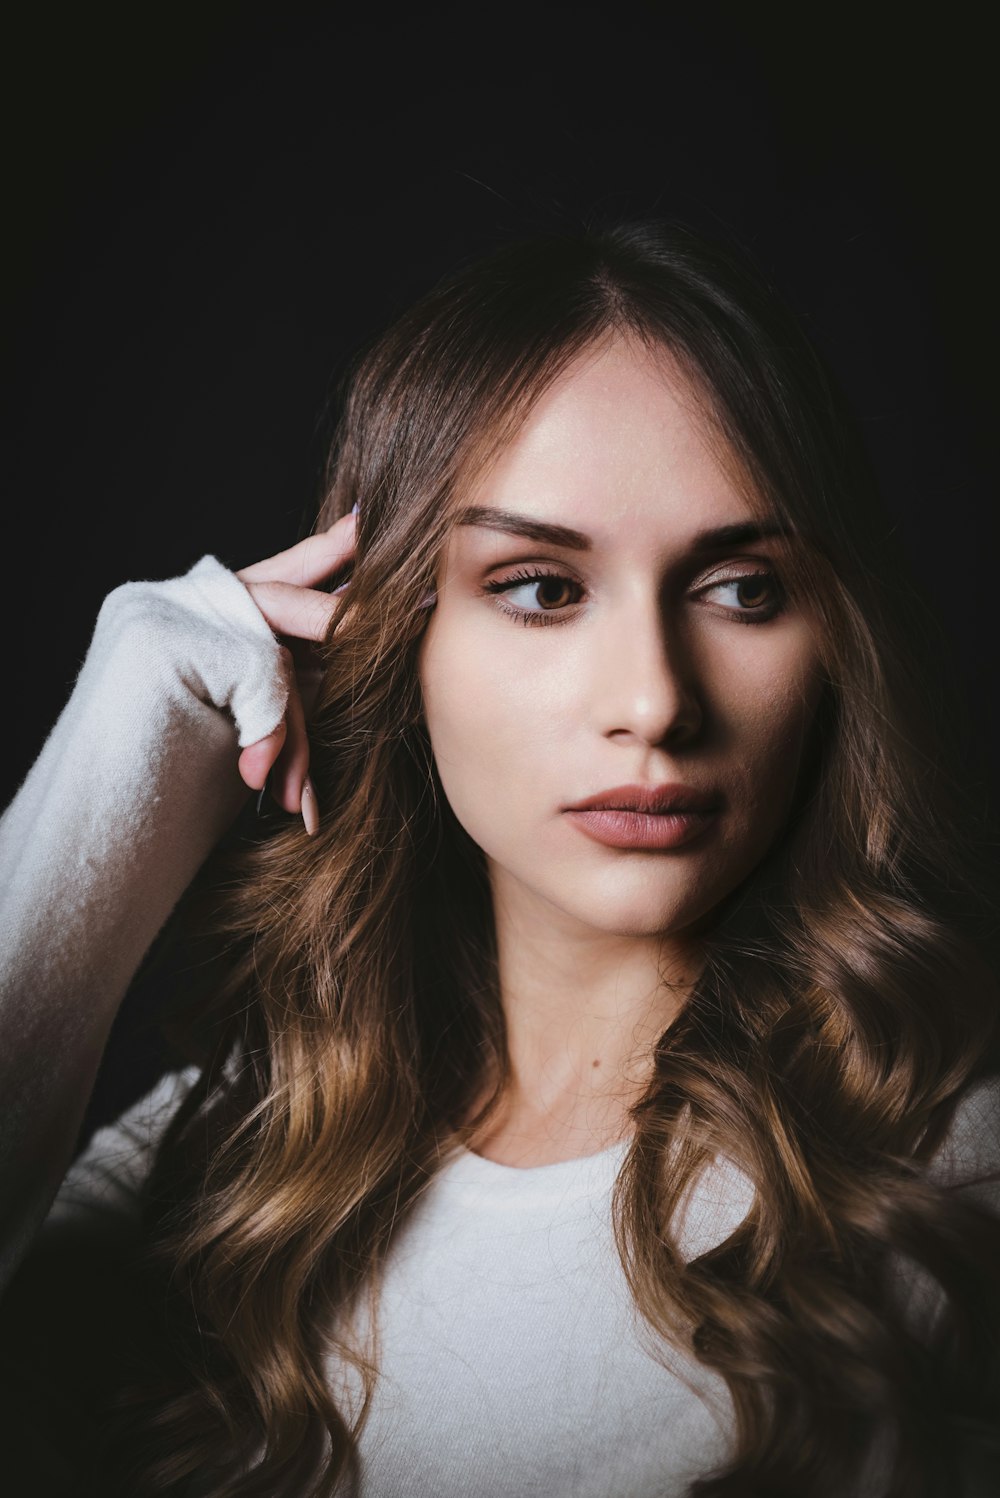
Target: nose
644, 685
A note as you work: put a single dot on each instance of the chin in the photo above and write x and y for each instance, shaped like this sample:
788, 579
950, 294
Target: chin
630, 915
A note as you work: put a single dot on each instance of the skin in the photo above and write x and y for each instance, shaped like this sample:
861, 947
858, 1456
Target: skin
284, 589
647, 676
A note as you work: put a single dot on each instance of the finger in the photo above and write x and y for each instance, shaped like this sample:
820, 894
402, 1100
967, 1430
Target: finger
292, 764
310, 680
302, 613
310, 561
310, 664
256, 760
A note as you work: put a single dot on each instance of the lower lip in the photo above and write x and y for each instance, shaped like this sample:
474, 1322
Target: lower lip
642, 829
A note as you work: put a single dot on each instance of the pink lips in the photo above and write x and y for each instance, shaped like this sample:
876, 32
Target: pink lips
652, 817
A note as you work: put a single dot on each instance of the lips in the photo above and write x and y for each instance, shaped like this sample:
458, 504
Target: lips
646, 818
655, 799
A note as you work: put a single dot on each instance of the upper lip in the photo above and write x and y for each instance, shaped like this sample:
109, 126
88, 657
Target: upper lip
650, 798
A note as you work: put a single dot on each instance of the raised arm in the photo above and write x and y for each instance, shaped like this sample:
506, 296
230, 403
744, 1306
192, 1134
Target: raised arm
139, 778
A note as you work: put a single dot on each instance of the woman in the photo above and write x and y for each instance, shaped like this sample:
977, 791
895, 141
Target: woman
601, 1097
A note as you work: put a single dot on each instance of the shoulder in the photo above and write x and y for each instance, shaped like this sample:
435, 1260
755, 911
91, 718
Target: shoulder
102, 1188
968, 1157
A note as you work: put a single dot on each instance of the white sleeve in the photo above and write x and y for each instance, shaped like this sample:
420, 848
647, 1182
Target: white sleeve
969, 1156
102, 1189
135, 784
967, 1162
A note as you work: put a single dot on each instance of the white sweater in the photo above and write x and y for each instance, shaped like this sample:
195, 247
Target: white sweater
512, 1360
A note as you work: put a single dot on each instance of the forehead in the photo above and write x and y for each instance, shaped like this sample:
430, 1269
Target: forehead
619, 438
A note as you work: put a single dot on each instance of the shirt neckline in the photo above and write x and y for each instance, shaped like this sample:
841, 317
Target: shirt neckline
584, 1174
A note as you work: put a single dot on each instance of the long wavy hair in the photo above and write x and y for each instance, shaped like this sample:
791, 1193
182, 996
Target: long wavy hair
848, 999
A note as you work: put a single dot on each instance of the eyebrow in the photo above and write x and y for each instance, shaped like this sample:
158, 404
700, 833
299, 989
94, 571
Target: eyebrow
551, 534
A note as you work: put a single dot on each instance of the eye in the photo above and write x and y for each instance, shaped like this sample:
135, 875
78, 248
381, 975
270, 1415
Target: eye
758, 595
552, 589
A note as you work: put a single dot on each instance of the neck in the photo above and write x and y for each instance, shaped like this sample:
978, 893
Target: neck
583, 1014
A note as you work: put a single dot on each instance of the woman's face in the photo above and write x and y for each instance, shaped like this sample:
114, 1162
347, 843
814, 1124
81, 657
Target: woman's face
551, 672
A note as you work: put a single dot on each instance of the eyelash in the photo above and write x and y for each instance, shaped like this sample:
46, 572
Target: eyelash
554, 616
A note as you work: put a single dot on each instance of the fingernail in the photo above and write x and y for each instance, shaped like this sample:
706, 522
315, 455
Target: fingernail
263, 792
310, 808
355, 508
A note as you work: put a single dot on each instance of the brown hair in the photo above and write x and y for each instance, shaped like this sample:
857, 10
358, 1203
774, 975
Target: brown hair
848, 996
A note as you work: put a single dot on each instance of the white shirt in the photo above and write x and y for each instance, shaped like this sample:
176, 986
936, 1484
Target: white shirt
513, 1362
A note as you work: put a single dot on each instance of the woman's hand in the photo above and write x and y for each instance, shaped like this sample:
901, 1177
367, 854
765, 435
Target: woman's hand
284, 589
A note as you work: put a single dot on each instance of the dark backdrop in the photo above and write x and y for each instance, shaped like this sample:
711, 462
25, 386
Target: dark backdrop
212, 210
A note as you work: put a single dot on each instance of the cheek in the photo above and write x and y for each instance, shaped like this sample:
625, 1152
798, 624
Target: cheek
486, 692
770, 724
486, 722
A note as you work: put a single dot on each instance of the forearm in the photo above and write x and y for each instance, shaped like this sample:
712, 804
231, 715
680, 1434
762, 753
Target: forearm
133, 788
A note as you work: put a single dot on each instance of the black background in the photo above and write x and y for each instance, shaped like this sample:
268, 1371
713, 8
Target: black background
212, 208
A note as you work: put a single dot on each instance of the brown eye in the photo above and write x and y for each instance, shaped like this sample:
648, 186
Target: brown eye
753, 591
554, 592
757, 595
